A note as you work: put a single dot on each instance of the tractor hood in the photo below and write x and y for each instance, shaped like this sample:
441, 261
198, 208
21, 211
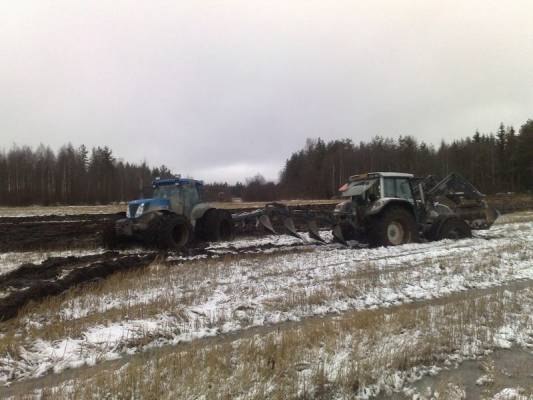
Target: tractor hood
136, 208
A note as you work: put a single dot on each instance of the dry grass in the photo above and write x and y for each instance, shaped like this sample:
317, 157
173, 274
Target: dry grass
317, 358
295, 361
173, 288
169, 289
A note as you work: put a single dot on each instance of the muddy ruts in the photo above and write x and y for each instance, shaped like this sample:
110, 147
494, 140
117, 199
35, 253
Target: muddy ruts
56, 275
51, 232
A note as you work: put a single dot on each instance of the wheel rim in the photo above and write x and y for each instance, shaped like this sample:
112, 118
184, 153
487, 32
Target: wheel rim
395, 233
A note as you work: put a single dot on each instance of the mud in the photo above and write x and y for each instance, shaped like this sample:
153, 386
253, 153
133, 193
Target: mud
479, 379
55, 232
51, 232
32, 282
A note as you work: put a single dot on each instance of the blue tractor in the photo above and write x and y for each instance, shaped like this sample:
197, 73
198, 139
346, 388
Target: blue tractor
172, 218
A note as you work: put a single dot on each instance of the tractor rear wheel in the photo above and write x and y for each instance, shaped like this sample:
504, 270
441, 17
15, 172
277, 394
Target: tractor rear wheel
394, 226
174, 232
454, 228
216, 225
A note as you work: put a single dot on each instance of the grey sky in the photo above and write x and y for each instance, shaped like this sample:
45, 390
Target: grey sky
221, 90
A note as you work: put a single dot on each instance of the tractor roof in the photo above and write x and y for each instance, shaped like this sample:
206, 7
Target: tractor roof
176, 181
371, 175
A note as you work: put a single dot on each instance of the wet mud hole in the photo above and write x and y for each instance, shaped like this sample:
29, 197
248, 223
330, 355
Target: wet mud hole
479, 379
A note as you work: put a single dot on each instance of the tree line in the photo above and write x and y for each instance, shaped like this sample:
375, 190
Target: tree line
500, 162
71, 176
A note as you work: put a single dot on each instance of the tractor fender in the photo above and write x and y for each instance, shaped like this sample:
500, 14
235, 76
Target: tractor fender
199, 211
380, 205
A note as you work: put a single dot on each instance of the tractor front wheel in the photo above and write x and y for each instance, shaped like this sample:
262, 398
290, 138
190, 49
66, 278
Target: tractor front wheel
393, 227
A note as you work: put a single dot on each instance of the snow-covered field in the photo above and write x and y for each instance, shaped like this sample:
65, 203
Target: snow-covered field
195, 299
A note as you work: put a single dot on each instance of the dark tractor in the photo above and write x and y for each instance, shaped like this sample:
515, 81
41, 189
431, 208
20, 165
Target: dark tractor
390, 208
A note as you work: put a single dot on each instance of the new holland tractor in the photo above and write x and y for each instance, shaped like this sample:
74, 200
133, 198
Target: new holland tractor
172, 218
380, 208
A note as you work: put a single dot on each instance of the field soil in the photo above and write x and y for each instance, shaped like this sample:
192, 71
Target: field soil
270, 317
26, 229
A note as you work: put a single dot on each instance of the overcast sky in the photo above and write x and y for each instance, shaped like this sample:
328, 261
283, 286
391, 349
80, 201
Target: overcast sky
221, 90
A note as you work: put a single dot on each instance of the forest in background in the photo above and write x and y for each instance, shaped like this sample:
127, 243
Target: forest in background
500, 162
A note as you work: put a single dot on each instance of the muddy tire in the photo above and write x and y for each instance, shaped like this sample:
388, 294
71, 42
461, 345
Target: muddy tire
393, 227
216, 225
454, 228
174, 232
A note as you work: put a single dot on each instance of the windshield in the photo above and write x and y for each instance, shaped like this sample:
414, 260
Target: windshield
357, 188
165, 191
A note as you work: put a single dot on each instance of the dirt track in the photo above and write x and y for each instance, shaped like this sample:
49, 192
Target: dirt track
55, 275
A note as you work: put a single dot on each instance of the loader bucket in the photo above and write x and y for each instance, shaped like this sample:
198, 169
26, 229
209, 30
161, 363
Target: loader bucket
267, 224
338, 236
288, 223
312, 228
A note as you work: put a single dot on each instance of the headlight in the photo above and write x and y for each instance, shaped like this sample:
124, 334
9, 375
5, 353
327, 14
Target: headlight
139, 211
128, 212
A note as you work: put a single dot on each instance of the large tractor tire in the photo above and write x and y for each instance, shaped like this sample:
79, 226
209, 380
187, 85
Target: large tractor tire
174, 232
393, 227
216, 225
453, 228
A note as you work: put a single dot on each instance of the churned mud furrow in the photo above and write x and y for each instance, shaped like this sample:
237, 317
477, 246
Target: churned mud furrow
48, 232
33, 282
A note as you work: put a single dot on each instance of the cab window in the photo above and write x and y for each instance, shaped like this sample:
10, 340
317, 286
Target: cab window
397, 187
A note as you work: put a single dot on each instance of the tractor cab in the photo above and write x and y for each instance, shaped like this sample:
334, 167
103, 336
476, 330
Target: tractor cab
182, 194
368, 188
369, 192
175, 195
